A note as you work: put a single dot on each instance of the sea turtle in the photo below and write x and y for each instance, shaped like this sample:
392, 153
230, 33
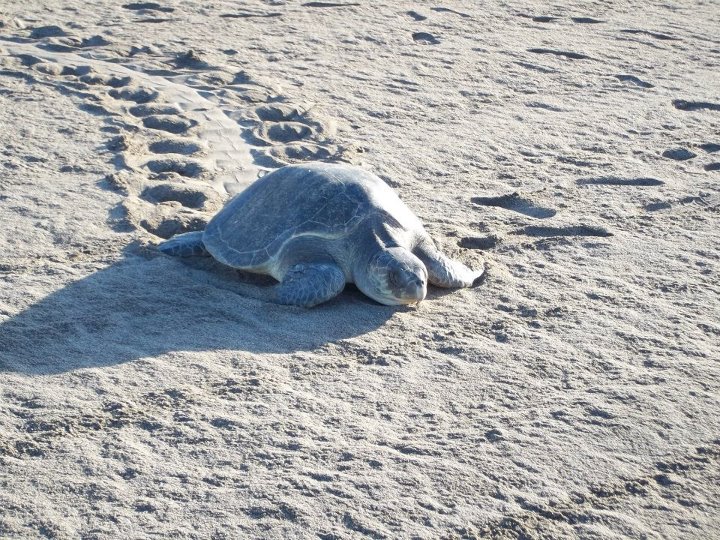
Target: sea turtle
317, 226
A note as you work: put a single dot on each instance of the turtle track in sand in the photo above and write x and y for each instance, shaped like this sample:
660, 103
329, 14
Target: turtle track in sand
184, 139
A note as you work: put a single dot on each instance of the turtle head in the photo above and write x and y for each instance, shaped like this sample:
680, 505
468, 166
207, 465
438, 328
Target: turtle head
394, 276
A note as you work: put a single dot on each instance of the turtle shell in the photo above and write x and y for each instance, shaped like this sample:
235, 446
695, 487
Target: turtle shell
319, 199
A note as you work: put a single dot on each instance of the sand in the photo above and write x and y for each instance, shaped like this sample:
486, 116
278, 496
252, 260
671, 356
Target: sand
572, 148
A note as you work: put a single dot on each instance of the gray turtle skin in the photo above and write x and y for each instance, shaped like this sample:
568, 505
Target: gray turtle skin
315, 227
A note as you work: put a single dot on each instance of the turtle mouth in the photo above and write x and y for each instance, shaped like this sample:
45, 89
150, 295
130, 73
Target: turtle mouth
410, 292
414, 292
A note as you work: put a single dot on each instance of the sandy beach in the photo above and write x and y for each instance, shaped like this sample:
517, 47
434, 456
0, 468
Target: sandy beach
572, 149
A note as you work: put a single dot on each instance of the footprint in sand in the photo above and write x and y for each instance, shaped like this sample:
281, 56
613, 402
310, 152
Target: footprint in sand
136, 94
148, 6
654, 207
684, 105
283, 132
304, 151
452, 11
678, 154
710, 148
174, 146
149, 12
180, 166
47, 31
536, 231
666, 205
191, 60
654, 35
585, 20
249, 14
569, 230
417, 16
617, 181
566, 54
328, 4
538, 18
425, 38
183, 194
150, 109
278, 112
516, 203
479, 242
169, 123
154, 20
634, 80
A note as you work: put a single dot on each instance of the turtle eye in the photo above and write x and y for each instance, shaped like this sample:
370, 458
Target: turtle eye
393, 278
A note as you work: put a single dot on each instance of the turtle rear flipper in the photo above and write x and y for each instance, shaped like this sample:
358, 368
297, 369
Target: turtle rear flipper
185, 245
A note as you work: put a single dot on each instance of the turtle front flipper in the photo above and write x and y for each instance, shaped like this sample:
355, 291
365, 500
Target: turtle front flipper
445, 272
185, 245
308, 285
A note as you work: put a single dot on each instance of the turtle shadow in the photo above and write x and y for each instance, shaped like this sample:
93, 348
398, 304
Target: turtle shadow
145, 305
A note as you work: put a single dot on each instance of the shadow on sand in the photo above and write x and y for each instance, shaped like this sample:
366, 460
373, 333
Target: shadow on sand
142, 307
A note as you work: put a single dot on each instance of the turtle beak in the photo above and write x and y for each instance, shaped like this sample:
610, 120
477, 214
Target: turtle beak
415, 291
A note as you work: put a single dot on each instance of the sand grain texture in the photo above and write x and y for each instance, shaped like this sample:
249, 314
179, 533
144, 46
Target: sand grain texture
573, 395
